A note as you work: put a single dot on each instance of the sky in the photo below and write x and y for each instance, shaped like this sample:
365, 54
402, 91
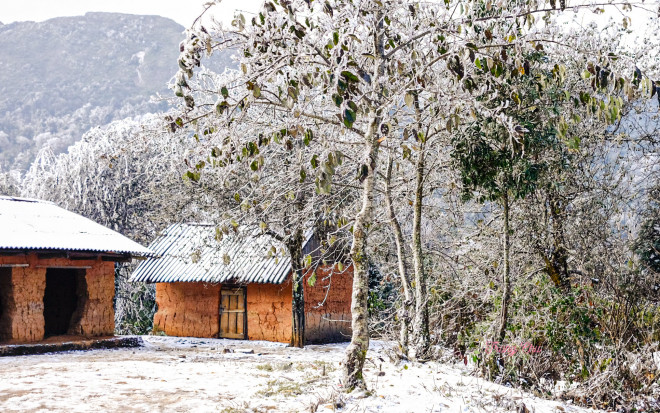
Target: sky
183, 12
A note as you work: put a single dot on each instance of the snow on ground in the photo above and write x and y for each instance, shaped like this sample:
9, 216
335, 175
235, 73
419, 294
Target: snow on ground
172, 374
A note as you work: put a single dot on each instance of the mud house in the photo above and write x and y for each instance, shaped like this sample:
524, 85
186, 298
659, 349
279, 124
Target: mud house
231, 288
57, 272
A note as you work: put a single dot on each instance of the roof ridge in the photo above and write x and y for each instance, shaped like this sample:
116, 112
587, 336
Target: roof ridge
195, 224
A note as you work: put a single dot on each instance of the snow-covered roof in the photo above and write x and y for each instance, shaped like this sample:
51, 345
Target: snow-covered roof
193, 253
32, 224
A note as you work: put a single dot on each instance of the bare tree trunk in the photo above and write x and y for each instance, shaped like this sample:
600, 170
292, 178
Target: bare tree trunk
356, 352
404, 315
506, 281
421, 346
557, 263
298, 295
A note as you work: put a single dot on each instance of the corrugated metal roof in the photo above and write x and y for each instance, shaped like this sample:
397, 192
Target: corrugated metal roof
191, 253
31, 224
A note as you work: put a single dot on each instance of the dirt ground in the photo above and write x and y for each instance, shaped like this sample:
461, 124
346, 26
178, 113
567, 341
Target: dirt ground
171, 374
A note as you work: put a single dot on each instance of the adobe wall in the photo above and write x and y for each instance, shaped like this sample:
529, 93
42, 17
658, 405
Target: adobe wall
328, 305
269, 312
95, 315
187, 309
23, 288
327, 319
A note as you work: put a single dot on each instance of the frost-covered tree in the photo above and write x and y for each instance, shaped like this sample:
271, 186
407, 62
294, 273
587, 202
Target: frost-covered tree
360, 74
10, 183
128, 177
255, 175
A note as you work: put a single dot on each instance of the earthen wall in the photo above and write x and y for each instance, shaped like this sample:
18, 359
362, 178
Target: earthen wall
22, 289
328, 304
95, 315
188, 309
269, 312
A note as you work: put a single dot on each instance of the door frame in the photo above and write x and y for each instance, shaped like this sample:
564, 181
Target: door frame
226, 287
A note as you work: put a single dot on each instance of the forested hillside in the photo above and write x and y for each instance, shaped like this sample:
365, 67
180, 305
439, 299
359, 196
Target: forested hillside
61, 77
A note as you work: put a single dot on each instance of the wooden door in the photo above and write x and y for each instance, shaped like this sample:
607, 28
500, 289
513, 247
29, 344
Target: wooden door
232, 313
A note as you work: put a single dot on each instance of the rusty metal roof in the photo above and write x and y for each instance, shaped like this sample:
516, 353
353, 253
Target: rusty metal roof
192, 253
32, 224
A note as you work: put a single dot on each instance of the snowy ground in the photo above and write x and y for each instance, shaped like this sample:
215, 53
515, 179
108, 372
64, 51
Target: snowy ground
171, 374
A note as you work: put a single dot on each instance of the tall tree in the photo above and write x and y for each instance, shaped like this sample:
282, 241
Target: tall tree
500, 166
254, 172
345, 70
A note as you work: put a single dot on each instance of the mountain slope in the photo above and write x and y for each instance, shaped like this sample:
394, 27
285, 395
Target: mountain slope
60, 77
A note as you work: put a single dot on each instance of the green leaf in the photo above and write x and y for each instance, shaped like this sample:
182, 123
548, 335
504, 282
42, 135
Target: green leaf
309, 135
406, 151
349, 118
328, 169
574, 143
220, 107
193, 176
314, 161
335, 38
350, 76
253, 148
410, 100
339, 156
312, 280
256, 92
225, 92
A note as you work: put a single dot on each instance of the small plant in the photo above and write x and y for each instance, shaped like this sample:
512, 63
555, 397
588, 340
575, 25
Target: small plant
238, 409
281, 387
265, 367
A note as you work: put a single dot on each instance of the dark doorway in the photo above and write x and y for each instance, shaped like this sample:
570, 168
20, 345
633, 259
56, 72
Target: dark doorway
5, 295
60, 299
